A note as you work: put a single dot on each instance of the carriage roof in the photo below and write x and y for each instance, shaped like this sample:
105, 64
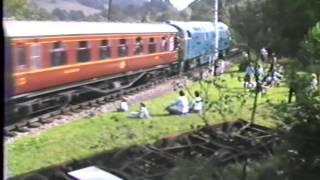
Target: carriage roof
59, 28
204, 26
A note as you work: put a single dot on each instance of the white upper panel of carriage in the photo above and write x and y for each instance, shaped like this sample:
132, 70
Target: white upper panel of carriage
59, 28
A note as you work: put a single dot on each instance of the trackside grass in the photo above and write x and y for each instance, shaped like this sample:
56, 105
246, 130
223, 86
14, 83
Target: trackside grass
85, 138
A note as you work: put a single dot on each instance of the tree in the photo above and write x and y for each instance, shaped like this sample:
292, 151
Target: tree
202, 10
60, 14
24, 10
186, 14
311, 51
76, 15
279, 24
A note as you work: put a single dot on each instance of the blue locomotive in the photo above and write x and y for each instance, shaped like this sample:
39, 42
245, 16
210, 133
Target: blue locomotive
198, 41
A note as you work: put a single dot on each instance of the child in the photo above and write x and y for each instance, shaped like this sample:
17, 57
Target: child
197, 103
142, 114
124, 107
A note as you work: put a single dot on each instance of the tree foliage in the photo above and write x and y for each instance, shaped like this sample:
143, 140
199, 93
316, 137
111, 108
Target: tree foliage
279, 24
24, 10
311, 50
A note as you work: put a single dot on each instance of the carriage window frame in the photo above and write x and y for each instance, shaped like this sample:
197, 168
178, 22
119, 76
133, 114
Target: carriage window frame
189, 34
123, 48
164, 44
104, 49
35, 54
20, 56
173, 44
152, 45
139, 48
58, 49
83, 52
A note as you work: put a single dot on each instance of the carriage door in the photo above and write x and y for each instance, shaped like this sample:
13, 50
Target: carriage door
35, 57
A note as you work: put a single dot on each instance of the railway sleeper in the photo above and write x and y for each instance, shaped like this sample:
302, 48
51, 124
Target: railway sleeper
84, 106
47, 120
55, 113
101, 102
74, 107
66, 109
33, 124
21, 129
9, 133
77, 110
94, 104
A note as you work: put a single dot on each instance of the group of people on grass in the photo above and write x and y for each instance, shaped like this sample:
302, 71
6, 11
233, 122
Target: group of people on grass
256, 73
179, 107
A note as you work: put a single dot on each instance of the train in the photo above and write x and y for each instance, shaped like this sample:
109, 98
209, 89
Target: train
52, 62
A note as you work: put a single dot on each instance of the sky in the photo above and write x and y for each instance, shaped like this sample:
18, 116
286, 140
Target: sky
180, 4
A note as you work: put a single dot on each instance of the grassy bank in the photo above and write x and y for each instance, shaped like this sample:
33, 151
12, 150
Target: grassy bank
81, 139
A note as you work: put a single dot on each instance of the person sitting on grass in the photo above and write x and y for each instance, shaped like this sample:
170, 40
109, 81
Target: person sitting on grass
197, 103
180, 107
273, 78
124, 107
142, 114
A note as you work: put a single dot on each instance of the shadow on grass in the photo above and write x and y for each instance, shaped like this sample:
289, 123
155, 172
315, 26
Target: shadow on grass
161, 115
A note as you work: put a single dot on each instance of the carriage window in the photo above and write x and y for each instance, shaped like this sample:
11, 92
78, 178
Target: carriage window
164, 44
152, 45
172, 43
139, 46
104, 49
35, 56
83, 54
21, 58
176, 43
58, 54
123, 48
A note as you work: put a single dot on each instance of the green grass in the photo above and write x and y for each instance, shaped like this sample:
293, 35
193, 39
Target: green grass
81, 139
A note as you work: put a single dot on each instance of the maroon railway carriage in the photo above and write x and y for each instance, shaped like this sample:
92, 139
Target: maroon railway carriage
52, 57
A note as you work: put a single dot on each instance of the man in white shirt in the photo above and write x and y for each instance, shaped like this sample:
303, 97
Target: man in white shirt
221, 66
180, 107
197, 103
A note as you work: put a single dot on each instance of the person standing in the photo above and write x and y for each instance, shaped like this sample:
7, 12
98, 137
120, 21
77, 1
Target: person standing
264, 54
249, 73
222, 66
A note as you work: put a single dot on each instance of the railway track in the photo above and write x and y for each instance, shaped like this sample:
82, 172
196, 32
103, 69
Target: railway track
26, 125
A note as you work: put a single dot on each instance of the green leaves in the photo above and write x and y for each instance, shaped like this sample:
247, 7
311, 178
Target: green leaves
24, 10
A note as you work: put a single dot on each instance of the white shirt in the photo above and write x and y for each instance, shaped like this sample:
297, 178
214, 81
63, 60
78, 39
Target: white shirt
264, 52
182, 104
197, 104
314, 82
221, 64
124, 106
144, 113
